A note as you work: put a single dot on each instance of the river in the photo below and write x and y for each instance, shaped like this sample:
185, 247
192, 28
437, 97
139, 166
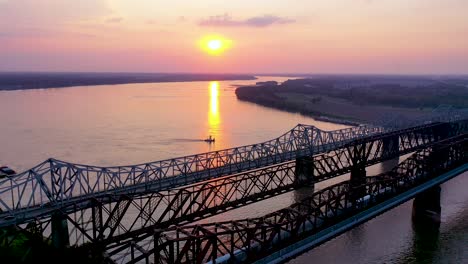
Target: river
135, 123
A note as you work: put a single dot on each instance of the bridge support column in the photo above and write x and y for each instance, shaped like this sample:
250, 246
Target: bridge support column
358, 171
60, 237
460, 127
358, 175
357, 181
426, 207
443, 131
304, 170
391, 145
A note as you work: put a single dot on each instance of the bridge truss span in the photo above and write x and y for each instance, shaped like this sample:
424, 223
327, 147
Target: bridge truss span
106, 217
247, 240
55, 181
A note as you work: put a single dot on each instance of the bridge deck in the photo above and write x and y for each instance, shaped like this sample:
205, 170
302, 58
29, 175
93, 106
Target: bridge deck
109, 217
334, 162
250, 239
17, 194
55, 181
337, 229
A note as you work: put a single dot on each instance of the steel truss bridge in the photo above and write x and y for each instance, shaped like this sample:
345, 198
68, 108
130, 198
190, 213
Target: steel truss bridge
251, 239
130, 212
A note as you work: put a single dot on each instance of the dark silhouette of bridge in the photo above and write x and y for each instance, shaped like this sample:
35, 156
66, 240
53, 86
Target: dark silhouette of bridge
140, 212
331, 208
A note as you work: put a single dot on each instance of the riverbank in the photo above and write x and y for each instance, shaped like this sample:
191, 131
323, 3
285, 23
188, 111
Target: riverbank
355, 101
26, 81
298, 107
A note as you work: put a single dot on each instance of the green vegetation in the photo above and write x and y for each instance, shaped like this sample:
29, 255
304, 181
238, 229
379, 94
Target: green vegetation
359, 98
19, 246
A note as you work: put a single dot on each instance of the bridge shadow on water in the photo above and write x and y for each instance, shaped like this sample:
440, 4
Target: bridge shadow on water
426, 240
441, 242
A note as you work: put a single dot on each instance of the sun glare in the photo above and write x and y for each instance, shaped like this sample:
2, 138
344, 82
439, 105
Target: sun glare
214, 45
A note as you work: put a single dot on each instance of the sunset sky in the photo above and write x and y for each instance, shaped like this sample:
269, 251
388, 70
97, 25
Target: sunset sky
264, 36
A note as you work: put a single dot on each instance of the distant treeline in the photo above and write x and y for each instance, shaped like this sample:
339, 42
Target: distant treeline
414, 93
19, 81
265, 95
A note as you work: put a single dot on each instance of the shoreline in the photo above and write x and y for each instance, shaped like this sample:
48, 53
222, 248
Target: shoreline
317, 116
338, 101
337, 120
31, 81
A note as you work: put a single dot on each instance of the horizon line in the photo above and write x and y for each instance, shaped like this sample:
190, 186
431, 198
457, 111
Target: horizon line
285, 74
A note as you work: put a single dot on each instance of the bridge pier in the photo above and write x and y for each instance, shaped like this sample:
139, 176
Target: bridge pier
358, 171
426, 226
426, 207
60, 237
357, 181
358, 175
443, 131
391, 145
304, 170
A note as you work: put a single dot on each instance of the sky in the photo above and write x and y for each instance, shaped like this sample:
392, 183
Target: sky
264, 36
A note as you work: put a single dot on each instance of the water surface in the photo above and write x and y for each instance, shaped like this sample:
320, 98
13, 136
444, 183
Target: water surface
393, 238
135, 123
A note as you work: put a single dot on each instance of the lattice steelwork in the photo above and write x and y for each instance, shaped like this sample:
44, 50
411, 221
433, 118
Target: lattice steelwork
250, 239
108, 217
55, 181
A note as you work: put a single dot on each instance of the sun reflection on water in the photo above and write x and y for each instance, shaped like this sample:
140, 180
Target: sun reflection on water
213, 116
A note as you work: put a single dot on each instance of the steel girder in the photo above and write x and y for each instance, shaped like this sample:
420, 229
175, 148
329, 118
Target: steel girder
250, 239
114, 217
55, 181
37, 199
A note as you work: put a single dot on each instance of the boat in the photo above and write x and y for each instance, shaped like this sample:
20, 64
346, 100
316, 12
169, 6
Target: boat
209, 139
6, 171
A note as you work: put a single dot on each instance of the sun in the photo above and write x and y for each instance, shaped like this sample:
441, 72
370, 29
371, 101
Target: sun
214, 45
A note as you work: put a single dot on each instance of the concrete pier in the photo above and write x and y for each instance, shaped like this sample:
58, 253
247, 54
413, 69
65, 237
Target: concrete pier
391, 145
304, 170
358, 171
426, 206
60, 236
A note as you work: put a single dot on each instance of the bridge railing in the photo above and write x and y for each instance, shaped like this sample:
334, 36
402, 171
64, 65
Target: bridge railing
154, 207
246, 240
54, 181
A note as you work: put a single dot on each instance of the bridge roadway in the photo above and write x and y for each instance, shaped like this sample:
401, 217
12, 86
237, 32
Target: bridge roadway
302, 225
55, 181
207, 198
114, 221
45, 206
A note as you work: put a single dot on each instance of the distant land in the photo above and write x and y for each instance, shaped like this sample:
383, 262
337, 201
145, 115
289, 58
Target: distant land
359, 98
40, 80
